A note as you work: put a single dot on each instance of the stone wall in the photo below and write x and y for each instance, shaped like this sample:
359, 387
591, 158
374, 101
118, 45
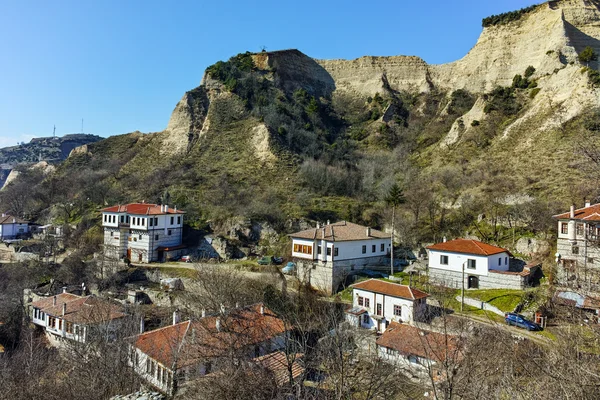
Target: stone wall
453, 279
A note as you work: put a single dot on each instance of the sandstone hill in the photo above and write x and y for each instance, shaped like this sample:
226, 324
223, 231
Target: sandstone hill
279, 136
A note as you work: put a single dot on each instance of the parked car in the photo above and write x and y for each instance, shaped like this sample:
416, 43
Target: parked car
289, 268
264, 260
187, 259
521, 322
277, 260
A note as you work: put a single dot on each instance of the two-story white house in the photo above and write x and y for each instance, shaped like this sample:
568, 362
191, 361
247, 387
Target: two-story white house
326, 255
377, 303
67, 316
477, 264
578, 245
12, 227
169, 356
142, 232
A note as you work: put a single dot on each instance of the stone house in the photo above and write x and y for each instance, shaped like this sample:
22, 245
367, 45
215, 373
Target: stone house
480, 265
142, 232
12, 227
169, 356
81, 319
326, 255
376, 304
577, 245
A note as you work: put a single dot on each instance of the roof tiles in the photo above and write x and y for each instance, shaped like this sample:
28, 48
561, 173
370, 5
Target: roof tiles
591, 213
141, 209
468, 246
390, 289
341, 231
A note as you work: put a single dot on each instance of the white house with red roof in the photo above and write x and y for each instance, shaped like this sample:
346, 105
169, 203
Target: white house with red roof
68, 316
12, 227
327, 254
578, 252
478, 264
377, 303
142, 232
169, 356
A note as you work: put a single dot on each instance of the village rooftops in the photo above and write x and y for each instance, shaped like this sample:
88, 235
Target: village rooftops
188, 342
143, 209
279, 364
589, 213
468, 246
412, 341
390, 289
341, 232
78, 309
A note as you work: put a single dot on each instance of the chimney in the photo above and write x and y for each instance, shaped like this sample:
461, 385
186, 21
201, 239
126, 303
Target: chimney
218, 324
193, 335
54, 301
318, 225
262, 309
237, 304
64, 288
14, 220
444, 239
176, 317
3, 214
175, 208
572, 215
166, 208
203, 312
222, 308
587, 203
142, 323
328, 223
64, 309
368, 231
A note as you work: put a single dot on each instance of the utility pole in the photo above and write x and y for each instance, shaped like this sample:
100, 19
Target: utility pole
81, 125
462, 292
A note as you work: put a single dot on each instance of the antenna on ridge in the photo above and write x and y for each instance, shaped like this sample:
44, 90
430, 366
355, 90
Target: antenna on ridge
81, 125
54, 131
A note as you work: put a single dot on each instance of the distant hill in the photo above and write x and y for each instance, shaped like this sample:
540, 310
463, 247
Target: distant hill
50, 149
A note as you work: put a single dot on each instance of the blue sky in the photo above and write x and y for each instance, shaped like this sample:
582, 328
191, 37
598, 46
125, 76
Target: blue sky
122, 65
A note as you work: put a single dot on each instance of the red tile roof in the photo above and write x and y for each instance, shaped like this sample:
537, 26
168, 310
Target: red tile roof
279, 364
340, 232
80, 310
591, 213
412, 341
468, 246
141, 209
189, 342
390, 289
8, 219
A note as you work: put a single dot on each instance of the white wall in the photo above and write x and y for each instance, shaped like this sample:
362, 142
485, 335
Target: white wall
417, 365
10, 230
348, 250
304, 242
410, 308
456, 261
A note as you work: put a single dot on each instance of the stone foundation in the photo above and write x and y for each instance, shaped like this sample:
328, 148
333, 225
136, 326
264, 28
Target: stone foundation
494, 280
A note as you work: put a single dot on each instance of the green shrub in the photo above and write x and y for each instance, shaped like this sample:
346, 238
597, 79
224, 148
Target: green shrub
549, 52
594, 77
503, 19
475, 123
534, 93
502, 99
529, 71
461, 101
588, 54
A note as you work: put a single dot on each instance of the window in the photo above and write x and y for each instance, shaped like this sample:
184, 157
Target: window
361, 300
397, 310
500, 261
172, 220
443, 260
143, 221
148, 362
112, 234
590, 260
178, 220
378, 307
505, 260
127, 219
564, 228
151, 221
382, 247
373, 248
579, 230
169, 232
364, 249
104, 217
367, 302
335, 251
329, 251
69, 327
301, 248
139, 237
365, 318
471, 264
155, 237
155, 221
575, 250
318, 249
